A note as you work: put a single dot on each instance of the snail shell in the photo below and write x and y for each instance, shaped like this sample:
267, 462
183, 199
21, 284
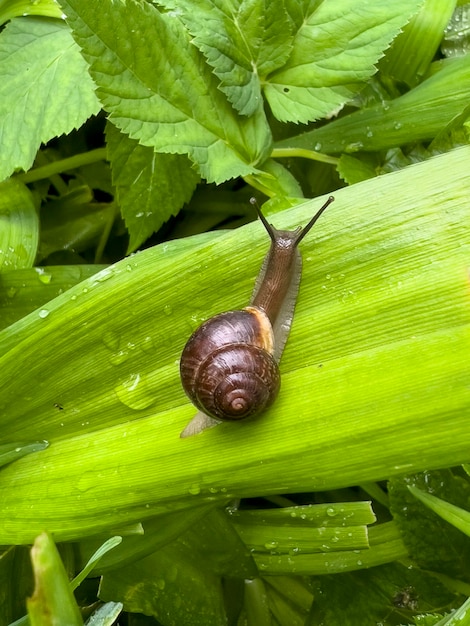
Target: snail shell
227, 366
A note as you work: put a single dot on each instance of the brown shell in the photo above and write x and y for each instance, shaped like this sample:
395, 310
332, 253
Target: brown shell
227, 368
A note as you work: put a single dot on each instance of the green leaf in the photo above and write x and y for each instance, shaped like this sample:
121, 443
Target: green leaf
19, 226
334, 52
458, 517
157, 532
105, 615
418, 115
164, 95
45, 89
173, 581
276, 180
243, 41
52, 602
10, 452
23, 291
390, 594
385, 546
73, 222
375, 373
93, 561
306, 529
433, 543
456, 41
354, 170
150, 187
16, 582
412, 52
16, 8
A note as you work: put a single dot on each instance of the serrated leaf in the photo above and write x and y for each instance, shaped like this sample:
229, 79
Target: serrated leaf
276, 180
19, 226
45, 89
243, 41
353, 170
150, 187
163, 94
334, 52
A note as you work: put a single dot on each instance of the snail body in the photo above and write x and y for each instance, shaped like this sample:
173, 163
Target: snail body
229, 366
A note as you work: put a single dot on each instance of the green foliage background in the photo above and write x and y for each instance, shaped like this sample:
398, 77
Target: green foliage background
188, 109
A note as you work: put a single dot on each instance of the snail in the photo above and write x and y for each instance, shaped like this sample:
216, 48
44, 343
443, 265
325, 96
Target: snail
229, 366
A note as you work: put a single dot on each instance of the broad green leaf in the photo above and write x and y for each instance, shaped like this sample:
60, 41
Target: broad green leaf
163, 94
157, 532
19, 226
243, 41
150, 187
173, 581
419, 115
375, 373
23, 291
52, 602
458, 517
334, 52
74, 222
432, 542
45, 90
390, 594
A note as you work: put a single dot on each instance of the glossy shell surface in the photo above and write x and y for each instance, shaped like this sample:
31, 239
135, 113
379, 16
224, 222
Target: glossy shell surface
227, 367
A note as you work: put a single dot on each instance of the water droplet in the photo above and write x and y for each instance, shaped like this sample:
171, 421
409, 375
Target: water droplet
147, 344
167, 309
354, 146
11, 292
271, 545
331, 511
111, 340
194, 489
134, 393
317, 146
43, 313
43, 276
105, 274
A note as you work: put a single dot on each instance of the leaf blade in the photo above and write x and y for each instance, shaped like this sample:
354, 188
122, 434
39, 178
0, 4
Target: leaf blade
164, 96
